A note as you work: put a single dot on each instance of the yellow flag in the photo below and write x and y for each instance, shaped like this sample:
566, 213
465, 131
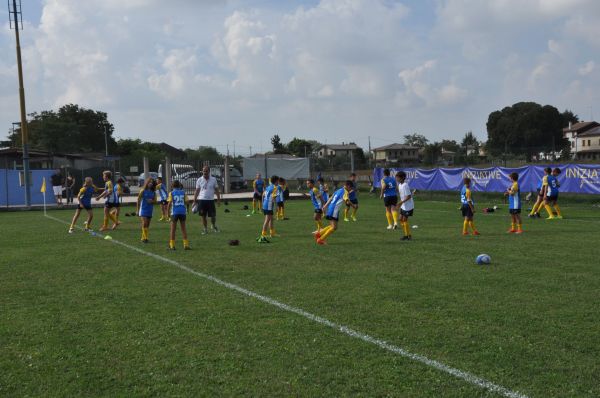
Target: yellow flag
43, 190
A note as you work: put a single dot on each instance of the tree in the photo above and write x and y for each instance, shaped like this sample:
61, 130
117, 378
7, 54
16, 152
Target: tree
416, 140
432, 153
450, 145
525, 128
278, 147
569, 116
204, 154
300, 147
69, 130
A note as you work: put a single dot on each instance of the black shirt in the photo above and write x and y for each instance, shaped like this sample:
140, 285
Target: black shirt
56, 179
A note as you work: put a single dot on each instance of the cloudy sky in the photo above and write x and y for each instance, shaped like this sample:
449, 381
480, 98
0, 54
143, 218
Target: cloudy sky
215, 72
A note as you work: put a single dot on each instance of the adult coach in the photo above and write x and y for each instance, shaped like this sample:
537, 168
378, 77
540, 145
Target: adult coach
57, 186
206, 188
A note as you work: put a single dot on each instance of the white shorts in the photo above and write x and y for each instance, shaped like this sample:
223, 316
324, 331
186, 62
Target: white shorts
57, 190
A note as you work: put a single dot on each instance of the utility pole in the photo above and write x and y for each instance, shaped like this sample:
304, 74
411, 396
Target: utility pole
16, 17
369, 151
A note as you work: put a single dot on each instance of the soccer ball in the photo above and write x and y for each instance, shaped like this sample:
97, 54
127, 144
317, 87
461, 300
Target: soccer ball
483, 259
195, 208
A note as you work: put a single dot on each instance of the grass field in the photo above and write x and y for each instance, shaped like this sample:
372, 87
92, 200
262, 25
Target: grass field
82, 316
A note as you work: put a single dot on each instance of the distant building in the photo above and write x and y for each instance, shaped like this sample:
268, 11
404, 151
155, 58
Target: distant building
335, 150
584, 139
395, 154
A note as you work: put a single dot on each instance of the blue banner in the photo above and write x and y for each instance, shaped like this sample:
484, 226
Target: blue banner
574, 178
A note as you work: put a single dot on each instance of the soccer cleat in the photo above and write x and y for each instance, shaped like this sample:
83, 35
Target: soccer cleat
465, 233
171, 248
409, 237
559, 217
316, 232
71, 230
551, 218
395, 226
263, 239
511, 231
405, 238
204, 232
531, 215
321, 242
390, 227
161, 219
476, 233
215, 229
187, 248
318, 235
103, 228
253, 212
354, 218
538, 215
345, 219
144, 240
519, 231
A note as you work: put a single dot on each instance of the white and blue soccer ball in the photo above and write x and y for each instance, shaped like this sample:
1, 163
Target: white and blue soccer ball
483, 259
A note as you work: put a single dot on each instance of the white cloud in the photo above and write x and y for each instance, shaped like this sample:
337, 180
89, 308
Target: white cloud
587, 68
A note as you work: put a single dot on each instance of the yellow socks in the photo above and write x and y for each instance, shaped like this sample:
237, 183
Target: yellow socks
319, 225
172, 244
326, 232
388, 215
465, 227
472, 225
346, 213
144, 233
395, 216
186, 243
549, 210
264, 232
406, 228
557, 210
520, 227
272, 232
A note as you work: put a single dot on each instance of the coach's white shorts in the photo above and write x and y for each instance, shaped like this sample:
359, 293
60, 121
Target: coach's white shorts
57, 190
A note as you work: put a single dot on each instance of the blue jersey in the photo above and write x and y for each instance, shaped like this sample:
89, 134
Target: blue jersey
389, 186
112, 197
514, 198
314, 198
177, 199
162, 192
352, 194
269, 197
146, 198
552, 186
279, 194
85, 196
338, 198
259, 185
465, 196
324, 194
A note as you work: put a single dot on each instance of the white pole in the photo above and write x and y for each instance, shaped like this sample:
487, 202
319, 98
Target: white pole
44, 195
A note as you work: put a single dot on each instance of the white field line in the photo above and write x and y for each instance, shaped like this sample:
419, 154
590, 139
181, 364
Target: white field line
466, 376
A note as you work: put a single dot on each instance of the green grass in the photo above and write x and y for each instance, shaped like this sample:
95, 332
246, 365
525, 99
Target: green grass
81, 316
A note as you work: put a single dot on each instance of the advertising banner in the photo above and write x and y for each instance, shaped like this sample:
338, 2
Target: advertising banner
574, 178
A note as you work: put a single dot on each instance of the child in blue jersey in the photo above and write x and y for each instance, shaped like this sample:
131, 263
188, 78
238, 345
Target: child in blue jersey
389, 194
259, 186
178, 210
163, 195
111, 200
282, 196
467, 208
145, 206
323, 189
353, 199
551, 197
317, 201
85, 202
514, 205
332, 210
541, 194
268, 204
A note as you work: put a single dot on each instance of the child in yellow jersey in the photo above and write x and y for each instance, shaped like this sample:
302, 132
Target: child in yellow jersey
514, 205
332, 210
111, 198
117, 209
467, 208
145, 206
317, 202
84, 197
541, 190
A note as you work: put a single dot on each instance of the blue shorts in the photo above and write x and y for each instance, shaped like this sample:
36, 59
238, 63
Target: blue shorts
178, 217
267, 212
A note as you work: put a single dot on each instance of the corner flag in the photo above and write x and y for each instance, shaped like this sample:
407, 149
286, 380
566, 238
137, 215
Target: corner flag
43, 190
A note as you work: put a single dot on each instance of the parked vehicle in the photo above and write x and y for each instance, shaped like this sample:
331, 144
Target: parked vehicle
236, 180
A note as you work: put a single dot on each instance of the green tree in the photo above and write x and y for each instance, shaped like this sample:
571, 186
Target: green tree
71, 129
450, 145
525, 128
278, 147
432, 153
300, 147
416, 140
204, 154
569, 116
